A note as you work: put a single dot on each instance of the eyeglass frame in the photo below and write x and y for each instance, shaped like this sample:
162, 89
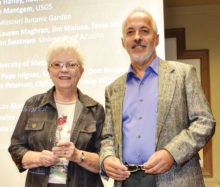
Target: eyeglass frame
134, 167
67, 65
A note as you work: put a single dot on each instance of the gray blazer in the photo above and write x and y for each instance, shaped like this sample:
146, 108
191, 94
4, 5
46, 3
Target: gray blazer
184, 122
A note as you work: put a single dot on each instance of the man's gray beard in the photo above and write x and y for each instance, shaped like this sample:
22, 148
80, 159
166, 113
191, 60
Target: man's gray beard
142, 58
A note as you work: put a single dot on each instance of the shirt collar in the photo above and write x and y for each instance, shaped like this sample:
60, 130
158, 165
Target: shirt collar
152, 67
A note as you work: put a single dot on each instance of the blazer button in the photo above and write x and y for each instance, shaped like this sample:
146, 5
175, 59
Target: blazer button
68, 179
34, 126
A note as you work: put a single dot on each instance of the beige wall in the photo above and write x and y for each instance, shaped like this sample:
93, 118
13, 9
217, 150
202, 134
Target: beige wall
202, 27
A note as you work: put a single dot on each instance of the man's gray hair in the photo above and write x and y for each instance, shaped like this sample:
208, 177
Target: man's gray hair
141, 10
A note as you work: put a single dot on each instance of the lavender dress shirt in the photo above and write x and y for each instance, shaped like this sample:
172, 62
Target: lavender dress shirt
139, 116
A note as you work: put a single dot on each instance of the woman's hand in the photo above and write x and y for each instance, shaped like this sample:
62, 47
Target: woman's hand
47, 158
70, 152
67, 150
33, 159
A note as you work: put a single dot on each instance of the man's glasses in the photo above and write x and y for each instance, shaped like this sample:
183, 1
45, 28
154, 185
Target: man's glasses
134, 167
68, 65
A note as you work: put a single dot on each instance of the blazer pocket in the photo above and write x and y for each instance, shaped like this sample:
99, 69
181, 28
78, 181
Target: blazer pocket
85, 136
34, 125
37, 134
89, 128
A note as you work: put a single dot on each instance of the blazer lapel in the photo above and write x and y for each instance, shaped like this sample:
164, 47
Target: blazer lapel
167, 83
78, 110
76, 126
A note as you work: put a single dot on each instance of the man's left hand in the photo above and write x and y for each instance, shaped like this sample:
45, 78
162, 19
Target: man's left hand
160, 162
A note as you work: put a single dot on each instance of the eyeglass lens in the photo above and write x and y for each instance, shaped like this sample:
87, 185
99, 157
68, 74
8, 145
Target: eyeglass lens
68, 65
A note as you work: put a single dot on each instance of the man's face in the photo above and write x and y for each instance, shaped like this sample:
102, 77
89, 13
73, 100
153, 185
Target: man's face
139, 38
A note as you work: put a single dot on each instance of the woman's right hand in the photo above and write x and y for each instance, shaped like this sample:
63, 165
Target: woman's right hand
33, 159
47, 158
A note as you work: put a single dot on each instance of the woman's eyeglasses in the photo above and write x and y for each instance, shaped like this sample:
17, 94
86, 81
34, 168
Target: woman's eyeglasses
68, 65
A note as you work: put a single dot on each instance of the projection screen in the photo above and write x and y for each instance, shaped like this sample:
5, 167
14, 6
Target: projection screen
26, 29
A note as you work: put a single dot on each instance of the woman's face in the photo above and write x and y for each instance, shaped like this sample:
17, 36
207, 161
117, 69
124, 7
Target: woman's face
65, 71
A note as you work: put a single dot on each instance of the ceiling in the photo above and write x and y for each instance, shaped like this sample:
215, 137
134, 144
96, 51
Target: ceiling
180, 3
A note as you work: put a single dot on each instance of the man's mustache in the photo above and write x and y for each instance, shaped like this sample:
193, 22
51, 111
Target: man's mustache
138, 45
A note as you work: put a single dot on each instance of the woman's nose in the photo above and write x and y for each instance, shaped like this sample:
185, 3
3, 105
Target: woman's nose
64, 68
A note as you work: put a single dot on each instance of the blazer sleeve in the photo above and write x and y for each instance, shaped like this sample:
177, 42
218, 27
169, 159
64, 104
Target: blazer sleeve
19, 141
107, 143
201, 123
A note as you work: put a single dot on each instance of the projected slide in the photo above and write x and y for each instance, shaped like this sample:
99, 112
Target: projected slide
26, 29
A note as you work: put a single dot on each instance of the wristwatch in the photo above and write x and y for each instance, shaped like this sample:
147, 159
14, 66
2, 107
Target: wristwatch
82, 156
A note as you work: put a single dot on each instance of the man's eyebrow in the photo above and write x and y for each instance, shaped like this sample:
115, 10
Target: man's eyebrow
144, 27
130, 28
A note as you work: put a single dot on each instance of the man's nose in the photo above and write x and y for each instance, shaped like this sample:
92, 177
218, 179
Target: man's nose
137, 37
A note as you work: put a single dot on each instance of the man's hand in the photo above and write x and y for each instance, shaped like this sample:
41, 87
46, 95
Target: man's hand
160, 162
115, 169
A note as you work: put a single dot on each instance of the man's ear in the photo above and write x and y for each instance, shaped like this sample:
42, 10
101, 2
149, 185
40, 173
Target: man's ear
122, 42
157, 39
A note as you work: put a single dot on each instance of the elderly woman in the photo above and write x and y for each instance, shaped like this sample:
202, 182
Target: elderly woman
57, 136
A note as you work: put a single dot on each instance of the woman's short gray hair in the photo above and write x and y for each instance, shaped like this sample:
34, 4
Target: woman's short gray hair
65, 44
141, 10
